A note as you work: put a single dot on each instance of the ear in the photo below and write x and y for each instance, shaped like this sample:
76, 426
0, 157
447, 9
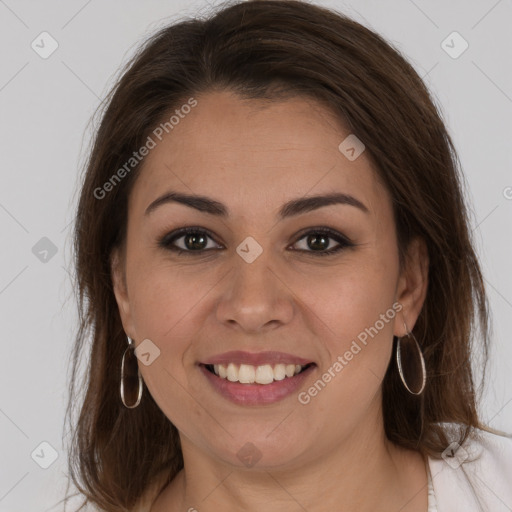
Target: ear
118, 273
412, 285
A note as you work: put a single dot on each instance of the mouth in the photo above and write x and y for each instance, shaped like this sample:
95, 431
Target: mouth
265, 384
261, 374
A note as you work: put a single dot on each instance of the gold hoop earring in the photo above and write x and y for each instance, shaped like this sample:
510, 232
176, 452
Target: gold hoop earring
130, 352
410, 352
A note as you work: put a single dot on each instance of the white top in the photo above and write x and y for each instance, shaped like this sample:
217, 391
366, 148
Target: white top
432, 503
476, 478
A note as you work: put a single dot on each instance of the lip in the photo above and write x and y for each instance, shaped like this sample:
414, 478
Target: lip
256, 358
256, 394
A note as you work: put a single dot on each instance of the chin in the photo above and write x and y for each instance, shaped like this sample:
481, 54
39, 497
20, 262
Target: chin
261, 448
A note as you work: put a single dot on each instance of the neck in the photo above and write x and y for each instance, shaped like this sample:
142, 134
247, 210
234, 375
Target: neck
364, 472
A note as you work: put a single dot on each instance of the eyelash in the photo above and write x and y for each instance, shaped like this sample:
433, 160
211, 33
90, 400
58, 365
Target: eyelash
167, 240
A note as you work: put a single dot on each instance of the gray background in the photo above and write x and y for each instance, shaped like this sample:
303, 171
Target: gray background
45, 107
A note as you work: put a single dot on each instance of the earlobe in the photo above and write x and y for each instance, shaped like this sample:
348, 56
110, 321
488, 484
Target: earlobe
413, 284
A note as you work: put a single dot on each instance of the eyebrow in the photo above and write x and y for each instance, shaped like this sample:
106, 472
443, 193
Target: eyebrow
291, 208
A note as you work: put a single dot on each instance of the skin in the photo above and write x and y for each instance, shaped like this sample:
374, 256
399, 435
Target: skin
253, 156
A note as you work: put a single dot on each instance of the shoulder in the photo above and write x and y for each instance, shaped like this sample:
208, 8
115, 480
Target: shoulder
475, 476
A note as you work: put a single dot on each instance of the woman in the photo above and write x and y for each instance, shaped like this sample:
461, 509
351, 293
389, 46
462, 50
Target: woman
275, 266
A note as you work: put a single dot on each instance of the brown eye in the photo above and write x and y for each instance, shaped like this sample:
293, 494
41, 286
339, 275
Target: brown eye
323, 242
189, 240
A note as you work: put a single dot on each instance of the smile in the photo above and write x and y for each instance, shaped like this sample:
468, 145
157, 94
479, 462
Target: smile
250, 374
256, 385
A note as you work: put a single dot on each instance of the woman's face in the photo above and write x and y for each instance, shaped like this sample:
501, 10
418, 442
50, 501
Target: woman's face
256, 278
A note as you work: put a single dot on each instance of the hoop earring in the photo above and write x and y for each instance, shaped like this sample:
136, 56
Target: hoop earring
415, 364
130, 350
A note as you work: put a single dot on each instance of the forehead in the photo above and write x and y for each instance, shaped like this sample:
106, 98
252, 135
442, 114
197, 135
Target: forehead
260, 151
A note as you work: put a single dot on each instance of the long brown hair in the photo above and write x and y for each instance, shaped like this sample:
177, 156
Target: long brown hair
275, 49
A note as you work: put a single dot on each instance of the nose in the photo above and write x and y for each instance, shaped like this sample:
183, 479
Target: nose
255, 297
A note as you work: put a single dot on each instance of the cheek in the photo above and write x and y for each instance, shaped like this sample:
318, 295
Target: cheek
353, 297
358, 345
164, 307
163, 296
357, 309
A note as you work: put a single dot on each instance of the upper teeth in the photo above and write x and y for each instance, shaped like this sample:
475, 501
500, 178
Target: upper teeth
249, 374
